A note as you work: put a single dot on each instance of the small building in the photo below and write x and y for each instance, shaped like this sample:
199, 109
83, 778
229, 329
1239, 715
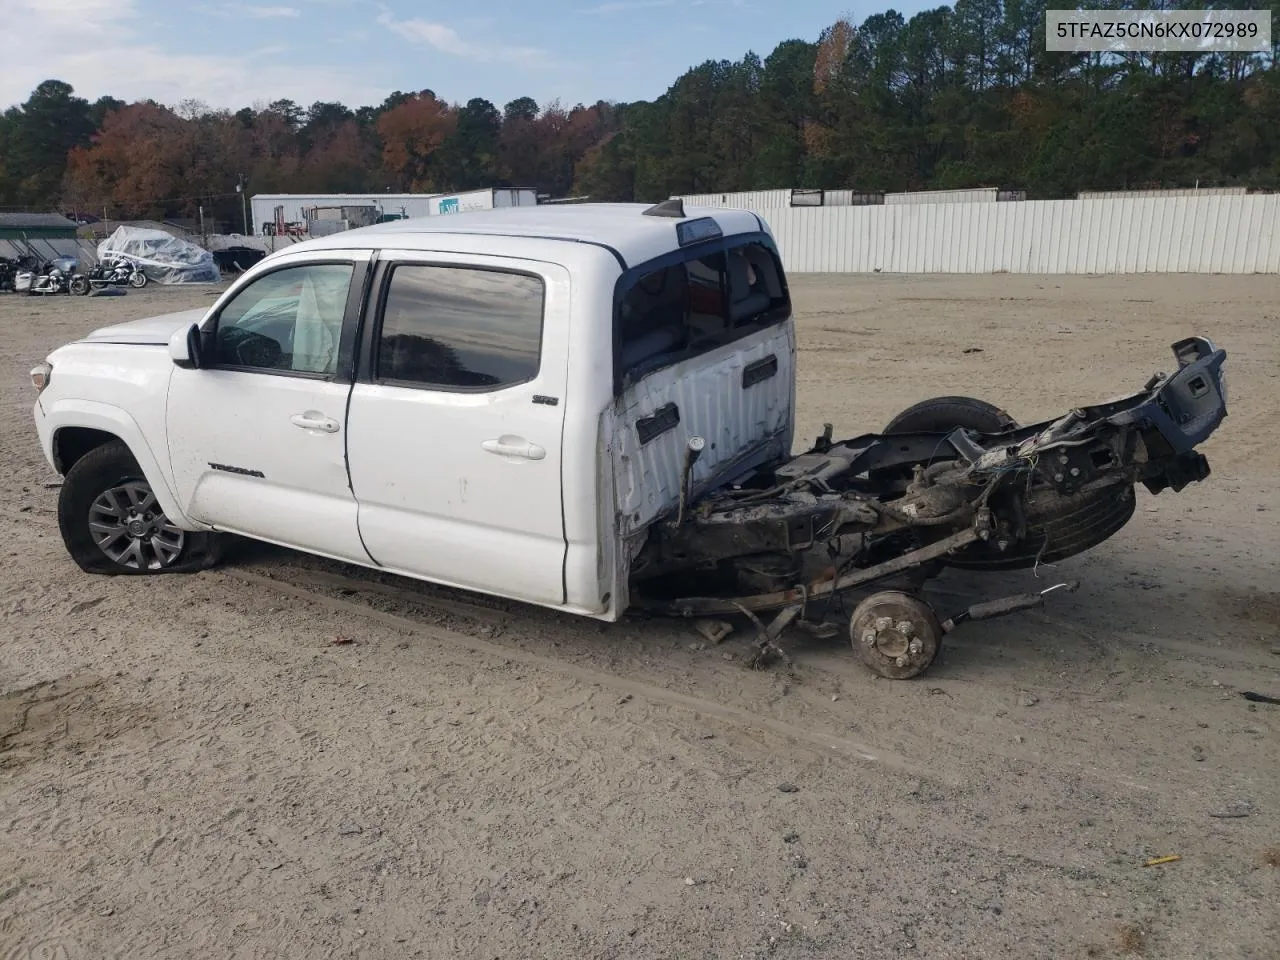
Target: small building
36, 226
493, 198
43, 236
835, 198
286, 213
293, 214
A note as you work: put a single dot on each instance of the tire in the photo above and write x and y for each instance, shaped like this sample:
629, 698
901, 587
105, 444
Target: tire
99, 495
944, 414
1058, 526
78, 285
138, 280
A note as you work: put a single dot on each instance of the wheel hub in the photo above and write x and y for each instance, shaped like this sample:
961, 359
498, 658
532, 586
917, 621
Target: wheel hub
895, 634
129, 527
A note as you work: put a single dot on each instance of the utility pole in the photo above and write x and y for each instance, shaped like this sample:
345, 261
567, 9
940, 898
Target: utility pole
244, 200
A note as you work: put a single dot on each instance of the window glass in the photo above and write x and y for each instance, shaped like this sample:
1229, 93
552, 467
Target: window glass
689, 308
290, 320
751, 269
707, 286
456, 327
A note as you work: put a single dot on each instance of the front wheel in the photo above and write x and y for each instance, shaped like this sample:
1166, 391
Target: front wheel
79, 285
112, 523
138, 280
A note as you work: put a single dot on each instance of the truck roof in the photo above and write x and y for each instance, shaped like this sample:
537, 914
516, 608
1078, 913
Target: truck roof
622, 228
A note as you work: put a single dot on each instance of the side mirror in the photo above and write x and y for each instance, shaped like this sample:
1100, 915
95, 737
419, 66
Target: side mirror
186, 348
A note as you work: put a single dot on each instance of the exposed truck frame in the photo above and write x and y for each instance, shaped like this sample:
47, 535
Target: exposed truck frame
905, 504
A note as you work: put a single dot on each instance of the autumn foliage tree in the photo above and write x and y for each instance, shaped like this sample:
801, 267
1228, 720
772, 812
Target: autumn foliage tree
137, 160
411, 133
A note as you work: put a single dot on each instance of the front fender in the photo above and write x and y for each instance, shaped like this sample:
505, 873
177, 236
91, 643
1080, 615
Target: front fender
94, 415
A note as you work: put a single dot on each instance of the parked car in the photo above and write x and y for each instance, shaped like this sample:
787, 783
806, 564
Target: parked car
237, 259
585, 407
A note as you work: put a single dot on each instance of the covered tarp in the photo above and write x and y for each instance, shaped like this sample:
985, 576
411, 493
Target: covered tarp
163, 258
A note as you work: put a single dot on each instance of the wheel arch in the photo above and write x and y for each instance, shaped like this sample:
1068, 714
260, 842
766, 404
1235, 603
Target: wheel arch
79, 426
71, 443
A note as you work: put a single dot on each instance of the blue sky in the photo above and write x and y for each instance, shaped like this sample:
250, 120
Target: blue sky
235, 53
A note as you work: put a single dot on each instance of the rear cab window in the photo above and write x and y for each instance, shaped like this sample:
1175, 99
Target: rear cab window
459, 329
694, 301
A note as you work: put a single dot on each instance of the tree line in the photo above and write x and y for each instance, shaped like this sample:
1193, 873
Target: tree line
953, 97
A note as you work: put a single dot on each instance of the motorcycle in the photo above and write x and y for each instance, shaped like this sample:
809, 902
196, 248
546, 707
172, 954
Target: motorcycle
54, 276
8, 269
114, 272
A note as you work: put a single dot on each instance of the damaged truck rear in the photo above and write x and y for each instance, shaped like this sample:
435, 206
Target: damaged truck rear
589, 408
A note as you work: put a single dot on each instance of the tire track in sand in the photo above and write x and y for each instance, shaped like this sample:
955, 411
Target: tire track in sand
745, 718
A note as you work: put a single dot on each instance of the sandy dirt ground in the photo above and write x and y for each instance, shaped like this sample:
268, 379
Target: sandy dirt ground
189, 767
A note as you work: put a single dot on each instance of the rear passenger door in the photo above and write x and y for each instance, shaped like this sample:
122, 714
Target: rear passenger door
454, 429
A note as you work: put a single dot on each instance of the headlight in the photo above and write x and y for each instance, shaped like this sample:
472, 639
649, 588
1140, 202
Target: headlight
41, 373
1222, 383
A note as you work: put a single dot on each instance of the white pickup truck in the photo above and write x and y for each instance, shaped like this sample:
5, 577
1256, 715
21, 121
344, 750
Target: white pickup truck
585, 407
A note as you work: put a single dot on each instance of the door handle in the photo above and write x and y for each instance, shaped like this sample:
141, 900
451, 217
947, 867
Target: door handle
314, 421
515, 447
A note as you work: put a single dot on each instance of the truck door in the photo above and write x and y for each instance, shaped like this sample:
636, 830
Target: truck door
256, 435
455, 424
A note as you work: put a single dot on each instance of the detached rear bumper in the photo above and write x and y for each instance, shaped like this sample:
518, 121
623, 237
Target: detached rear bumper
1148, 437
1188, 406
1182, 411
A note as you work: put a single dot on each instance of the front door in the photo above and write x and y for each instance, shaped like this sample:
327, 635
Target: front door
257, 434
454, 429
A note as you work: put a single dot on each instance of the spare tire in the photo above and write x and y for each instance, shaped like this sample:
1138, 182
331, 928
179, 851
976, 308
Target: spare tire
944, 414
1058, 526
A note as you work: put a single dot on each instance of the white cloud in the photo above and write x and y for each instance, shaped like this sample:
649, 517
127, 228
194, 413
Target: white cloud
102, 47
447, 40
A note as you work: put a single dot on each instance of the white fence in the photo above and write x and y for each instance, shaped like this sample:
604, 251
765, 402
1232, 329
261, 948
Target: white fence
1214, 234
762, 200
1171, 192
978, 195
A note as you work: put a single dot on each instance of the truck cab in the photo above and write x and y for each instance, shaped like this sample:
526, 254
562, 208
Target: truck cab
503, 402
